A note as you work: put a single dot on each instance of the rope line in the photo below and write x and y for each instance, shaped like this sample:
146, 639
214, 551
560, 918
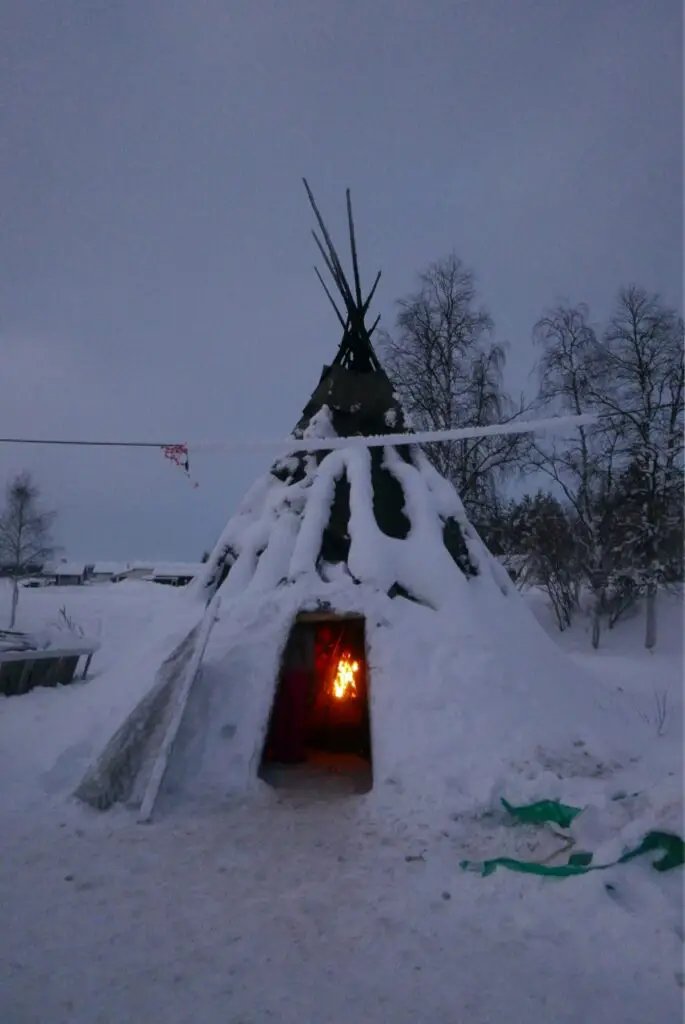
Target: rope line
293, 444
87, 444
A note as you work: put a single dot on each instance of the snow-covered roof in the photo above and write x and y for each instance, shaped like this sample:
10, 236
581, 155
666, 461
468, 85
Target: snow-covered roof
151, 568
65, 569
109, 568
177, 569
132, 568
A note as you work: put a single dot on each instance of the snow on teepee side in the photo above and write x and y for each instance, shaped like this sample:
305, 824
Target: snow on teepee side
466, 689
467, 697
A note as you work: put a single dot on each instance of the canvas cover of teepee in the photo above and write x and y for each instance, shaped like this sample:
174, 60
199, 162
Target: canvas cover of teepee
466, 691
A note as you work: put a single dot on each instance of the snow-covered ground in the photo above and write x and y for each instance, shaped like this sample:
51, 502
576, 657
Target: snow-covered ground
297, 908
649, 685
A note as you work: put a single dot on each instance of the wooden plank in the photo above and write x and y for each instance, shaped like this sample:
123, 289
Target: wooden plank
24, 678
49, 667
49, 652
191, 673
332, 616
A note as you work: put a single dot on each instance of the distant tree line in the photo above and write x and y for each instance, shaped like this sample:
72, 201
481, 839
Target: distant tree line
608, 522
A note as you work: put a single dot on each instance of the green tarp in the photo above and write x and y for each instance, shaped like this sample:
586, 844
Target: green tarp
544, 811
671, 847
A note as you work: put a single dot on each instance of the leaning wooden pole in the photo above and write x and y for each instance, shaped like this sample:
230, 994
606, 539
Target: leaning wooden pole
353, 249
190, 676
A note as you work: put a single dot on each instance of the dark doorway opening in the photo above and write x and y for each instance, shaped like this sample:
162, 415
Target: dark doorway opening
319, 730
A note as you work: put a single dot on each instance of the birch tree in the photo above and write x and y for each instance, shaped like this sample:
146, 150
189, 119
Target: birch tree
580, 462
449, 373
25, 533
642, 375
623, 476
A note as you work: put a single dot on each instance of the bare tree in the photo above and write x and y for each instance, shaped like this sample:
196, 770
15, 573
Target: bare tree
642, 375
623, 476
581, 462
25, 533
449, 374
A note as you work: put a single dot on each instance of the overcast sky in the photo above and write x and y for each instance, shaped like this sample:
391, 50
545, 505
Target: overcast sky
155, 258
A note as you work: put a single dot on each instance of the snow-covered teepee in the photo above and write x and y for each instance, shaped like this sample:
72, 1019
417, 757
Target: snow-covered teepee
462, 690
348, 513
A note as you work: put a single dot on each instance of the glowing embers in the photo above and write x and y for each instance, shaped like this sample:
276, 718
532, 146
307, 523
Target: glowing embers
344, 685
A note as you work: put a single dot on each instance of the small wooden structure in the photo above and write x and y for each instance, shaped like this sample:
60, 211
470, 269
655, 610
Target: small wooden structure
23, 669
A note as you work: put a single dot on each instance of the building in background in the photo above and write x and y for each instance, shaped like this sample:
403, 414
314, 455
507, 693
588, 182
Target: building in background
65, 574
175, 574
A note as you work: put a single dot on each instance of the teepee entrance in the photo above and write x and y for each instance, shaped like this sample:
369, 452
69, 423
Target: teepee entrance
319, 731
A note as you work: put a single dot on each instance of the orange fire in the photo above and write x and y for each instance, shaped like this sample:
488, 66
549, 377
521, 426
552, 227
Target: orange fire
344, 682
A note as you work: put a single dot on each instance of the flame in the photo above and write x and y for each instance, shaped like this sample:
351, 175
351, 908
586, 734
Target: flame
344, 682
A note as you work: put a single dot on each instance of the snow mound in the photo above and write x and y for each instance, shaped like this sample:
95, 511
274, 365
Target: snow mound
467, 703
469, 698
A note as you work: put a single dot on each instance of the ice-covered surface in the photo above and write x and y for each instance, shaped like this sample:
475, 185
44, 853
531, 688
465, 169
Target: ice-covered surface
258, 908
